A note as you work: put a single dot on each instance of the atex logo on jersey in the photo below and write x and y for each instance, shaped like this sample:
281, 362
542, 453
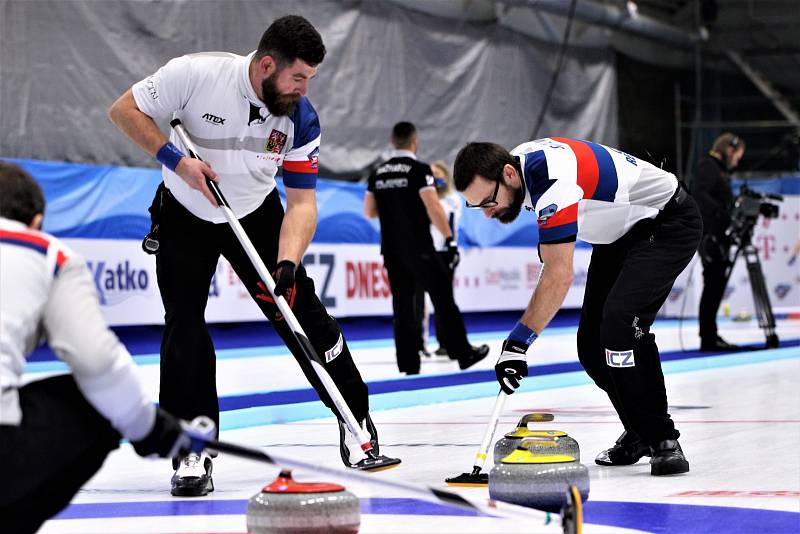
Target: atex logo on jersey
213, 119
275, 142
545, 214
622, 358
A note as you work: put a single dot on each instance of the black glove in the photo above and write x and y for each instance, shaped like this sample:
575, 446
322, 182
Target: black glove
284, 280
512, 365
453, 257
167, 438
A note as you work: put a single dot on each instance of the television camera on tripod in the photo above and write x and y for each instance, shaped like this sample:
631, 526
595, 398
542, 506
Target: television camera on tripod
747, 207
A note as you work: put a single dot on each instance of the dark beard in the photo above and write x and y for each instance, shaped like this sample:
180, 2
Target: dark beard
278, 104
511, 213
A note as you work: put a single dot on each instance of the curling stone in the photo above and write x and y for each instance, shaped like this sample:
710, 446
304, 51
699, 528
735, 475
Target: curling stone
535, 417
537, 481
556, 442
288, 507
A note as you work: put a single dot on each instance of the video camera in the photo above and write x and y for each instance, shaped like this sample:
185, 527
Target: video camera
746, 209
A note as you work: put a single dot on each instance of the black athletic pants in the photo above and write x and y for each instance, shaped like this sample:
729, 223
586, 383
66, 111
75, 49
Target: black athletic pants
420, 304
186, 262
406, 274
627, 283
714, 284
61, 443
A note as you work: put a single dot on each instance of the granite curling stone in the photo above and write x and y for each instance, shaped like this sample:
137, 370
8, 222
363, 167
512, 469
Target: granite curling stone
288, 507
537, 481
562, 443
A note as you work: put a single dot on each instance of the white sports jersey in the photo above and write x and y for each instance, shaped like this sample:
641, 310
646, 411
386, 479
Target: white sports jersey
47, 291
452, 203
588, 190
212, 94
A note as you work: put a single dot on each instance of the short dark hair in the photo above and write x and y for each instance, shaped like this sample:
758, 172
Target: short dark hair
289, 38
403, 133
21, 198
485, 159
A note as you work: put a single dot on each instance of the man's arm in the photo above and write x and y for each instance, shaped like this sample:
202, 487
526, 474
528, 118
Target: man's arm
298, 225
101, 365
139, 127
435, 211
142, 130
370, 206
554, 283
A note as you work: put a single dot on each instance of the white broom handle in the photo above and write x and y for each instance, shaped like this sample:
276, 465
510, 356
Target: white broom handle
480, 457
280, 301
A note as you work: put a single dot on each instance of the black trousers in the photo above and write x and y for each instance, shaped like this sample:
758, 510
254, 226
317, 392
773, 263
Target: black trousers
407, 273
420, 304
61, 443
189, 250
627, 283
714, 284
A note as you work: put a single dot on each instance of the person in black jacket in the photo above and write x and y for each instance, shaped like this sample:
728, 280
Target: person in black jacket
712, 191
401, 192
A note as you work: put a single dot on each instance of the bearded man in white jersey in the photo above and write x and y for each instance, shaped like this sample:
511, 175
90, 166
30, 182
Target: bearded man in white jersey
644, 229
248, 115
55, 433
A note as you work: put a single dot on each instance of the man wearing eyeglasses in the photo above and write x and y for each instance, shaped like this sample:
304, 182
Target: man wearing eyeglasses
402, 194
644, 229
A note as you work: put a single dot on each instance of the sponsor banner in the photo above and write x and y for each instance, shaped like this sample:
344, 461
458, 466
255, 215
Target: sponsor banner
350, 280
778, 244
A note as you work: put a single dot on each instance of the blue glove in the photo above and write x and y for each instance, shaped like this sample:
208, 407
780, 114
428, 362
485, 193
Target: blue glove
512, 365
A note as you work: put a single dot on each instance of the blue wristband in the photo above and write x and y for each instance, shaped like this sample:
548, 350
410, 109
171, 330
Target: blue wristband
523, 334
169, 156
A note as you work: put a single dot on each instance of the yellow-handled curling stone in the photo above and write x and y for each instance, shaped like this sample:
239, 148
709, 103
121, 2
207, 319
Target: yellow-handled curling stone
564, 444
537, 480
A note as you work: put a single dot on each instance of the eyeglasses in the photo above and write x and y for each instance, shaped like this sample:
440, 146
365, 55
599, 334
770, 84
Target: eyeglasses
490, 202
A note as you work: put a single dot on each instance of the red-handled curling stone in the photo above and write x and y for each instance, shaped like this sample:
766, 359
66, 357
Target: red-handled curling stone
286, 506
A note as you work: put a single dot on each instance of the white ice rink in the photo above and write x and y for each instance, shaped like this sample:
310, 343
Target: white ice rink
739, 415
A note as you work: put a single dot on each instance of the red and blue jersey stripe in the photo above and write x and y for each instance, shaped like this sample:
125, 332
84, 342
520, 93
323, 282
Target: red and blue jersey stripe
33, 242
302, 174
597, 174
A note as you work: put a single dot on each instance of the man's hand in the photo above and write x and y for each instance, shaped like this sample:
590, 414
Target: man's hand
284, 286
194, 172
284, 280
453, 257
512, 365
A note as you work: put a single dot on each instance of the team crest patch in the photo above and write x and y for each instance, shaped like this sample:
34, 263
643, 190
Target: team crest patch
276, 141
313, 158
620, 358
545, 214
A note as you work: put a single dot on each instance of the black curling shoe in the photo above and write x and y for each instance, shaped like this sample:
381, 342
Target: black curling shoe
628, 450
668, 459
475, 355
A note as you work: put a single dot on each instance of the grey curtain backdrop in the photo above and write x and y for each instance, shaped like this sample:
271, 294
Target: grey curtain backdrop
63, 62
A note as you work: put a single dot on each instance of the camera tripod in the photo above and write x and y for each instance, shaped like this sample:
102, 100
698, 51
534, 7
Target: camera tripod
744, 241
